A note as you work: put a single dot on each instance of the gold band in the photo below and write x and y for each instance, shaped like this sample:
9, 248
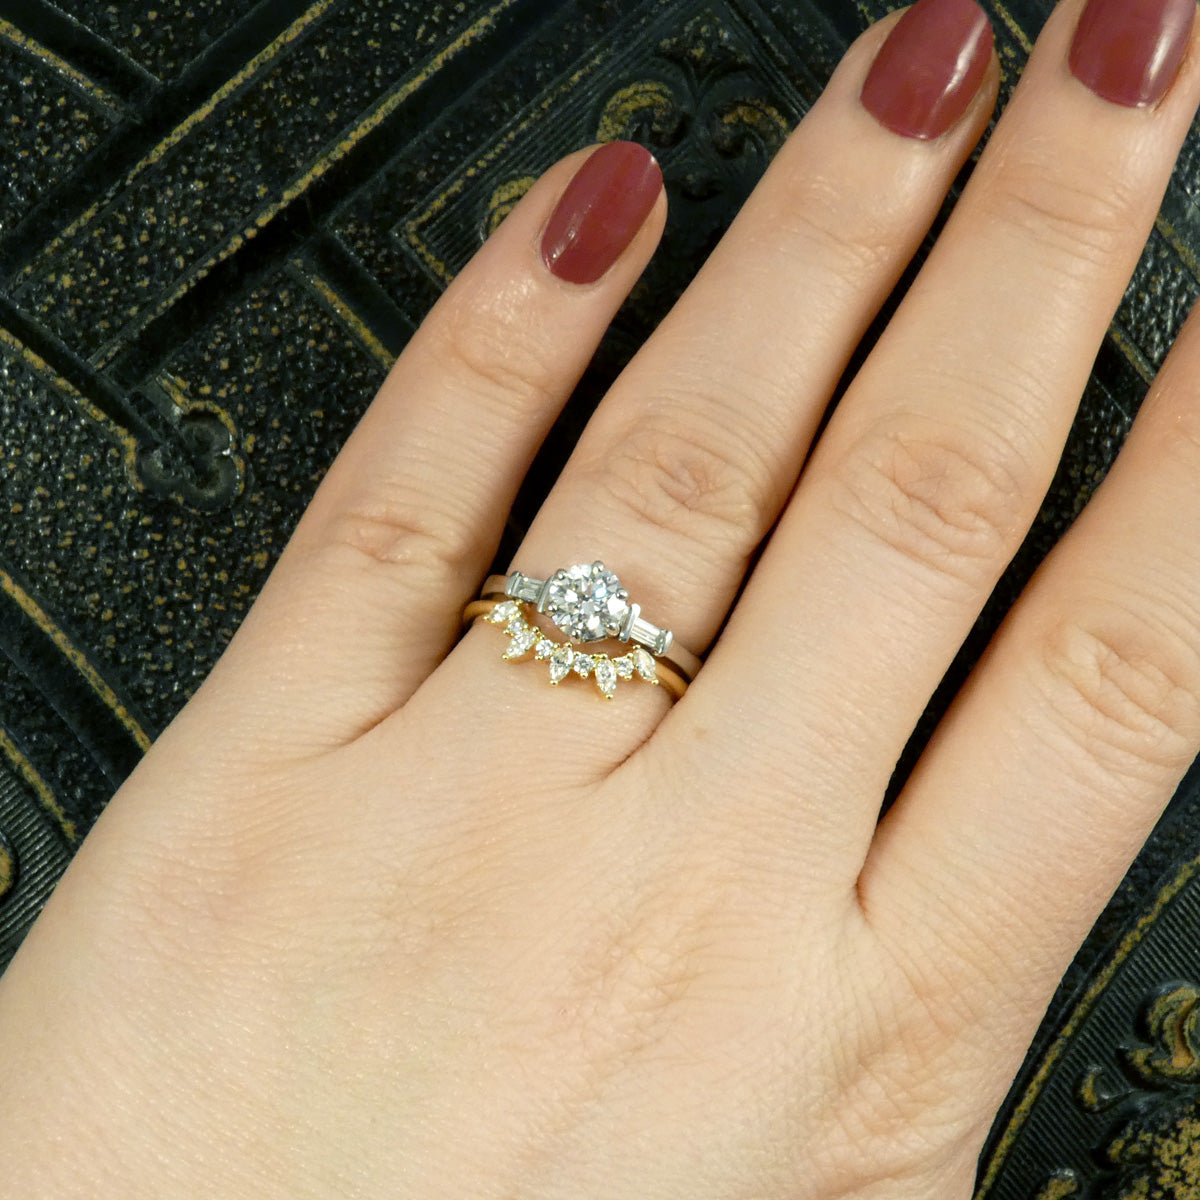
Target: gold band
668, 671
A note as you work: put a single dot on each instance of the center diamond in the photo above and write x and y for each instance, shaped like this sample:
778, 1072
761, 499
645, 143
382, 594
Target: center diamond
587, 602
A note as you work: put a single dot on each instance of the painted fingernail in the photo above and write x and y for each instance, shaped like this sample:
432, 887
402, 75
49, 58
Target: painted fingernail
600, 211
927, 72
1129, 51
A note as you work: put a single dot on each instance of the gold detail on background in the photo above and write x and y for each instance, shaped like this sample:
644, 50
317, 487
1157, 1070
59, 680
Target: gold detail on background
8, 872
1181, 248
1013, 27
1099, 983
382, 110
177, 389
119, 434
60, 66
31, 608
633, 101
1060, 1186
177, 134
1167, 1160
1132, 353
26, 770
505, 198
347, 315
761, 118
1173, 1021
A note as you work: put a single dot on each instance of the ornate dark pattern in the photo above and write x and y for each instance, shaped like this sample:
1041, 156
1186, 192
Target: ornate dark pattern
220, 222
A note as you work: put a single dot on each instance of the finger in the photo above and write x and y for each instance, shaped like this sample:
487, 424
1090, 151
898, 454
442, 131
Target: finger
1058, 757
933, 467
367, 597
690, 456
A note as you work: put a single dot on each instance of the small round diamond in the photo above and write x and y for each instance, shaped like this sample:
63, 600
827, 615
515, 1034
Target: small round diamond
587, 602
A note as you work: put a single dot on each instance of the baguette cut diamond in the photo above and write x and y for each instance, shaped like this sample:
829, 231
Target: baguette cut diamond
586, 601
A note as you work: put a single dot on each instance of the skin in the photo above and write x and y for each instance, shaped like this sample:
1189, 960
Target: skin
381, 915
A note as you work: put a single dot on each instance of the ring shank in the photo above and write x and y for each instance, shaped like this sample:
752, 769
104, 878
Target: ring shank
675, 670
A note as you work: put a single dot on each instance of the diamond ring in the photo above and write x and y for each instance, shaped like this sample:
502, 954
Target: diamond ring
587, 604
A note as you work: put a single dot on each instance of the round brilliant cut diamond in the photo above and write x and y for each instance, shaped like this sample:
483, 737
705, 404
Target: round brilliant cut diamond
587, 602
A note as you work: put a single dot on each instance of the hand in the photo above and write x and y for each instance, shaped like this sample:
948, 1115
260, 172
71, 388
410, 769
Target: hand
383, 915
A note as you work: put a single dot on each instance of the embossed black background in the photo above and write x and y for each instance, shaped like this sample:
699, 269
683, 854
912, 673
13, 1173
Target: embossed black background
219, 222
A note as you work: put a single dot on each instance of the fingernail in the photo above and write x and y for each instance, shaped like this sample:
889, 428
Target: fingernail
1129, 51
928, 71
600, 211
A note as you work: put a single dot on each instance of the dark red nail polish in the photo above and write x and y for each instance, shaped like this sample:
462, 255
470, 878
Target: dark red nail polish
927, 72
600, 211
1129, 51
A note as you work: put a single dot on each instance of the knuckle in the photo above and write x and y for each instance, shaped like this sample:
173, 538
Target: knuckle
918, 1148
1127, 688
948, 501
857, 225
489, 344
189, 899
906, 1087
1081, 214
402, 530
698, 483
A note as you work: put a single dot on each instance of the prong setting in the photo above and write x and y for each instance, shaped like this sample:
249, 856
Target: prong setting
562, 658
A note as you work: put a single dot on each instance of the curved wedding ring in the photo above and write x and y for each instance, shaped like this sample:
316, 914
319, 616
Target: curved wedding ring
587, 603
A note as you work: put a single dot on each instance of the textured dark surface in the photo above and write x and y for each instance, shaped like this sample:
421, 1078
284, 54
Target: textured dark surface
220, 221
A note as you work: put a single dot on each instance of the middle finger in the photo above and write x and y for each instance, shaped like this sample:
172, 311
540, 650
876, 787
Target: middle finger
933, 467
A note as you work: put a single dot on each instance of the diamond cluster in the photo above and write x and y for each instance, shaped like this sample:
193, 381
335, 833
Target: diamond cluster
564, 659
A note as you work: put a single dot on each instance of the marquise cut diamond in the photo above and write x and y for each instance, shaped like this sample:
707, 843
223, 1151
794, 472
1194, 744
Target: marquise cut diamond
643, 660
606, 676
591, 605
560, 664
521, 643
504, 612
